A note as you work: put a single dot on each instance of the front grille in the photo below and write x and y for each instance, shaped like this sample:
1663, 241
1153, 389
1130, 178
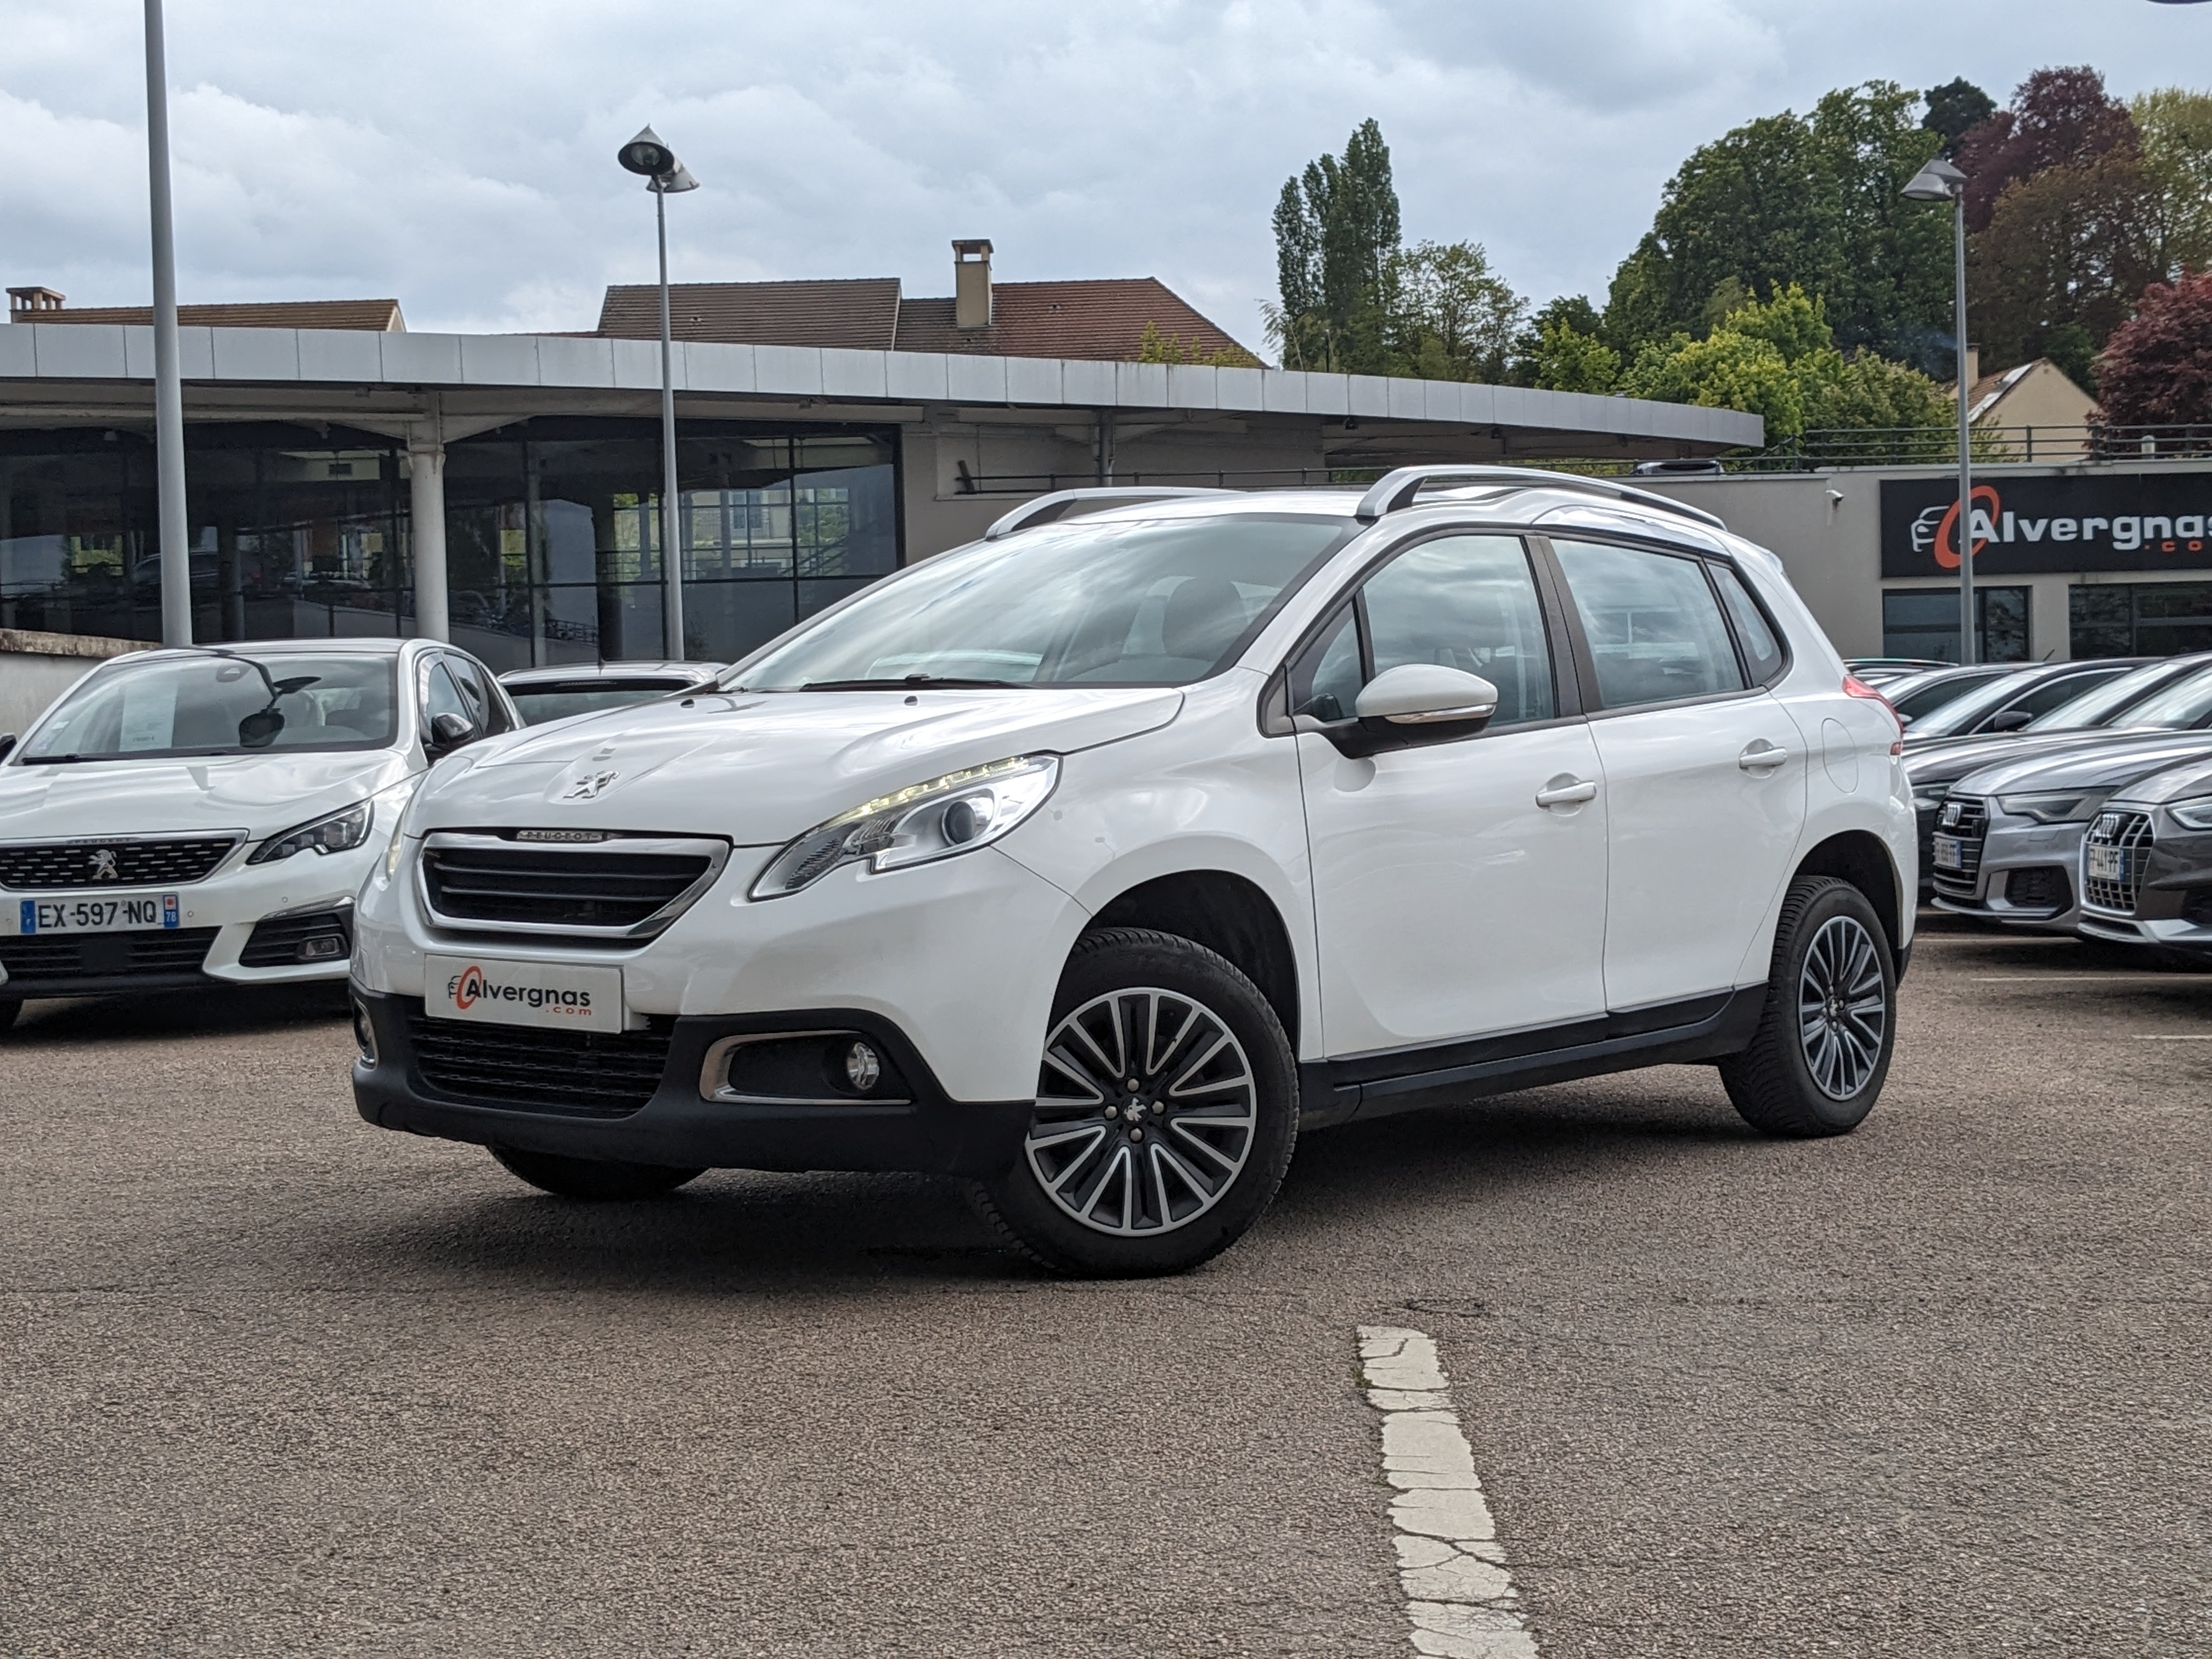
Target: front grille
1967, 819
2044, 888
2130, 833
112, 863
44, 957
290, 941
480, 880
598, 1074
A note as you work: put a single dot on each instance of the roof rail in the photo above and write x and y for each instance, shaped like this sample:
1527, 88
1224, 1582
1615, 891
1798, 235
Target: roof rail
1395, 491
1058, 505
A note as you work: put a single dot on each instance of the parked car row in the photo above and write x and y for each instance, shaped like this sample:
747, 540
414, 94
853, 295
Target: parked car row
2088, 816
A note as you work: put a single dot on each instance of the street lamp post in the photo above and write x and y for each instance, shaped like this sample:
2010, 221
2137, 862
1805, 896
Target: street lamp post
175, 540
665, 176
1939, 181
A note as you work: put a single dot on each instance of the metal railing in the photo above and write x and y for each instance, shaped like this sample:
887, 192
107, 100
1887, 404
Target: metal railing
1859, 447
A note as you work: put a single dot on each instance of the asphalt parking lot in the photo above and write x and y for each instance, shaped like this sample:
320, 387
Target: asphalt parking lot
272, 1382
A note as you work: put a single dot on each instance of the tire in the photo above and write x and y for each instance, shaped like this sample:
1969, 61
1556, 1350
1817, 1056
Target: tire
1817, 1063
591, 1178
1111, 1183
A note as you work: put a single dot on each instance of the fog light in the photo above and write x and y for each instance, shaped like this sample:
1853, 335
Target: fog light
324, 947
364, 1032
863, 1069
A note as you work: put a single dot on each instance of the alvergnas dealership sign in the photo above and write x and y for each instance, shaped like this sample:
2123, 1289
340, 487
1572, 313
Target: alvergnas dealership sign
2126, 521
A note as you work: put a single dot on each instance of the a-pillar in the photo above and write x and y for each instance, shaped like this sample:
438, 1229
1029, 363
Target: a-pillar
426, 467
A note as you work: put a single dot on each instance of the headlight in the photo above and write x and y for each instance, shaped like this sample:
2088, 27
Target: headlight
2193, 814
955, 813
338, 833
2058, 806
394, 850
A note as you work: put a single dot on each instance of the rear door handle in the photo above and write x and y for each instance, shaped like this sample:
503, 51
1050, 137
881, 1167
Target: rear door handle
1761, 756
1573, 794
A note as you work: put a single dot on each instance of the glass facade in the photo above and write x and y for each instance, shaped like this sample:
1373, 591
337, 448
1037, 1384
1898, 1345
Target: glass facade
552, 531
1923, 621
2139, 619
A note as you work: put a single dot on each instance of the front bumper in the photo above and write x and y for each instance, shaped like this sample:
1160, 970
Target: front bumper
926, 1131
243, 925
2027, 876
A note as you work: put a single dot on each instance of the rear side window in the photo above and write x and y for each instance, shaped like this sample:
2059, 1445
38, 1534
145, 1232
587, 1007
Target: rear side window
1762, 652
1654, 629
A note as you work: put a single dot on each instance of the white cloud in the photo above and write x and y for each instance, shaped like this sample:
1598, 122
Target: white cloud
459, 156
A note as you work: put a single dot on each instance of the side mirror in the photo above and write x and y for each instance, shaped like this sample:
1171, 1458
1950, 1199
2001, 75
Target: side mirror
2011, 720
1426, 694
7, 744
448, 732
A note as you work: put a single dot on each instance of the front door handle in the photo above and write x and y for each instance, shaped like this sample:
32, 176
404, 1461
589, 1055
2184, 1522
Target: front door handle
1761, 757
1566, 792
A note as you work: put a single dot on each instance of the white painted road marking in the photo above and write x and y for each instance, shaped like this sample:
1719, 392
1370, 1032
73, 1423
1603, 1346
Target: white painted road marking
2079, 979
2194, 1036
1458, 1592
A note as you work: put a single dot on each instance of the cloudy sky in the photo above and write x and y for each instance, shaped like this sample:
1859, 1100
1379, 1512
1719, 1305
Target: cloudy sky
459, 156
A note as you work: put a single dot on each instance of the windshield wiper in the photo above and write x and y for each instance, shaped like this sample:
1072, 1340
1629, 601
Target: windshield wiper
56, 760
905, 682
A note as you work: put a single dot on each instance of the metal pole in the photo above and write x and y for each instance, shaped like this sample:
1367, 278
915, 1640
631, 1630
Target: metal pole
671, 550
1964, 536
176, 547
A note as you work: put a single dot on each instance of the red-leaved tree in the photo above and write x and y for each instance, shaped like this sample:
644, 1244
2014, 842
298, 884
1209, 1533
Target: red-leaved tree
2059, 118
2157, 368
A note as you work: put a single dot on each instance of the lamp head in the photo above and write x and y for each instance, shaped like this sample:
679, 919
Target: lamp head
1939, 181
646, 154
673, 182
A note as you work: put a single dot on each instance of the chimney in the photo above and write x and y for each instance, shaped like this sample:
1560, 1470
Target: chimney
1973, 375
23, 301
971, 284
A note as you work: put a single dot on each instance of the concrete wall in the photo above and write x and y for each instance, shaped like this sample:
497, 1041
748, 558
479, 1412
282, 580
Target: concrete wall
36, 668
1826, 528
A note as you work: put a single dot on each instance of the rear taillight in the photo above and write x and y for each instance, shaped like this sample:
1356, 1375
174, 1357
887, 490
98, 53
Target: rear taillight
1856, 687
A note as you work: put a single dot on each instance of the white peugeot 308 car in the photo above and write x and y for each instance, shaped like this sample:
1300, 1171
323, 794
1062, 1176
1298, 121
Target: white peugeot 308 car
194, 817
1095, 860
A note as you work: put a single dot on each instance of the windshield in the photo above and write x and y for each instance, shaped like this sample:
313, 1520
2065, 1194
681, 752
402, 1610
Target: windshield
540, 703
2180, 708
2107, 702
221, 702
1145, 602
1914, 702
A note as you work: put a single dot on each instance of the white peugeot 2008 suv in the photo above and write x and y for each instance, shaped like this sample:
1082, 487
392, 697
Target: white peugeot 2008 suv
183, 818
1095, 859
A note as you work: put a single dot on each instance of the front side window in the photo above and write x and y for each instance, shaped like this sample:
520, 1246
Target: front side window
1654, 629
1464, 602
230, 702
1120, 601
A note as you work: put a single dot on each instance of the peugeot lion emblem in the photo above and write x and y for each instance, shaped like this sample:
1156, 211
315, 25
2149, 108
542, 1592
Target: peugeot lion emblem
589, 787
104, 867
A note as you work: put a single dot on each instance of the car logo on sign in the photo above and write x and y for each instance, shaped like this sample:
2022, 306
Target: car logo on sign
104, 867
590, 786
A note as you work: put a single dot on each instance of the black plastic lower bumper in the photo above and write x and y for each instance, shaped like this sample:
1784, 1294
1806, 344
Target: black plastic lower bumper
677, 1127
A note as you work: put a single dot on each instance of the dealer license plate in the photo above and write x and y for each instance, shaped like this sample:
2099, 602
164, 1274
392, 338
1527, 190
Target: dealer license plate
555, 994
94, 915
2108, 863
1950, 852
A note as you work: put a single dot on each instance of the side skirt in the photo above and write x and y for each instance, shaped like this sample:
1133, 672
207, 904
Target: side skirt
1364, 1086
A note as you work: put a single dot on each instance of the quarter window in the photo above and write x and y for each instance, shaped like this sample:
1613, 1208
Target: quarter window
1762, 652
1654, 629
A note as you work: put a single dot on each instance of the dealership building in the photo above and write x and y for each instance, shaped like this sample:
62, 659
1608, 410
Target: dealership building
830, 431
827, 432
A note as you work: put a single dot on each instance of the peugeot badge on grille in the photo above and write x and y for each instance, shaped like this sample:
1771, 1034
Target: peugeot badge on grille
104, 867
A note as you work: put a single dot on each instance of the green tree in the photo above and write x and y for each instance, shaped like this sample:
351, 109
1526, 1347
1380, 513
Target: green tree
1568, 359
2175, 131
1154, 347
1790, 198
1954, 109
1447, 315
1336, 231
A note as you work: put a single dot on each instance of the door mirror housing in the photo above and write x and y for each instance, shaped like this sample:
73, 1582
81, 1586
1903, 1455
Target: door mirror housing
7, 744
448, 732
1427, 694
2011, 720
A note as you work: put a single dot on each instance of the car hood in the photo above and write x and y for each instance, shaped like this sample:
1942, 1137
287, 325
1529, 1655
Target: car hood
2106, 766
763, 767
260, 795
2183, 781
1953, 758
